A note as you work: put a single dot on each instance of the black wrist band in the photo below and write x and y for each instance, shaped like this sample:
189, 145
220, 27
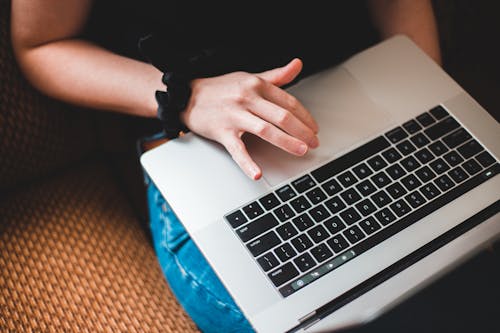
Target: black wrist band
172, 102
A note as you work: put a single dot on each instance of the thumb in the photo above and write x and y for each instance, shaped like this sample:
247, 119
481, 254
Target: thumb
282, 75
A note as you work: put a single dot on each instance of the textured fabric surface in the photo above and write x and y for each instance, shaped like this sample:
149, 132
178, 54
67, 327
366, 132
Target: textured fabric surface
73, 259
37, 135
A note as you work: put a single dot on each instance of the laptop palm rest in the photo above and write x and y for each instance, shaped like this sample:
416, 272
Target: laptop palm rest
340, 111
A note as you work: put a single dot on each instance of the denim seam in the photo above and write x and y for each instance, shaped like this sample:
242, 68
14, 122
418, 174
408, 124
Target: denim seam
189, 275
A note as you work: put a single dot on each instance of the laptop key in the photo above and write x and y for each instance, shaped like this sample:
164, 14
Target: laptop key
424, 156
485, 159
332, 187
347, 179
303, 183
377, 163
301, 243
236, 219
439, 112
268, 261
430, 191
391, 155
411, 182
319, 213
425, 174
269, 201
395, 171
415, 199
335, 204
406, 147
300, 204
283, 274
253, 210
316, 195
439, 166
321, 252
263, 243
400, 207
285, 193
425, 119
284, 212
471, 166
453, 158
303, 222
444, 183
381, 179
337, 243
285, 252
419, 140
318, 234
350, 216
369, 225
438, 148
362, 171
385, 216
350, 196
304, 262
366, 187
412, 126
286, 231
456, 138
354, 234
366, 207
458, 175
397, 134
334, 225
410, 163
443, 127
396, 190
381, 198
257, 227
470, 149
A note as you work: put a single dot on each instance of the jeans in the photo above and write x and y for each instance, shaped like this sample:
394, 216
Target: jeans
189, 275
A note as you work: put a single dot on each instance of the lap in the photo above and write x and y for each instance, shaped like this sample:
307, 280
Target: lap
189, 275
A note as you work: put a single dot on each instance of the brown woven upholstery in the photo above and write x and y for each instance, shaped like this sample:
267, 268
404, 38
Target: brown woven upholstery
73, 258
37, 135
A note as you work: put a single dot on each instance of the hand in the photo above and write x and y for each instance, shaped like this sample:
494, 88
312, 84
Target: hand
223, 108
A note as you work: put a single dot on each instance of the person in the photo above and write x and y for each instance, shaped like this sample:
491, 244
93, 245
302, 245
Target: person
84, 52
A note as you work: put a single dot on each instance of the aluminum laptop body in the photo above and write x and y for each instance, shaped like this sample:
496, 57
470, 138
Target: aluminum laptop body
354, 103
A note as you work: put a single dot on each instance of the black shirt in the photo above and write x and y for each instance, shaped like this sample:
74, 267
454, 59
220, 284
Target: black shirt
251, 36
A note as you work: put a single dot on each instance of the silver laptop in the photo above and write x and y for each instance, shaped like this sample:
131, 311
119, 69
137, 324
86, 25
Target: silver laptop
404, 186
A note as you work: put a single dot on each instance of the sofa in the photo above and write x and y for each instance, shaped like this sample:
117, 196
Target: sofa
75, 253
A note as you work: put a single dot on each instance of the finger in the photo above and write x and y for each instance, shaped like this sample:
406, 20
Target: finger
282, 75
236, 148
267, 131
285, 120
282, 98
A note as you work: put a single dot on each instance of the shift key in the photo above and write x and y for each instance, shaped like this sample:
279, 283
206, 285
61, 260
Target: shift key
283, 274
257, 227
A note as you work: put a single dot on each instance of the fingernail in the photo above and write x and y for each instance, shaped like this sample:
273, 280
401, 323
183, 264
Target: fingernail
315, 142
302, 149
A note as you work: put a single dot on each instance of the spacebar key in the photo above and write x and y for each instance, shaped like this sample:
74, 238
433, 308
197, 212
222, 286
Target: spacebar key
352, 158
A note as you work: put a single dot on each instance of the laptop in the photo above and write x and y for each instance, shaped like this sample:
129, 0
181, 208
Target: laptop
403, 188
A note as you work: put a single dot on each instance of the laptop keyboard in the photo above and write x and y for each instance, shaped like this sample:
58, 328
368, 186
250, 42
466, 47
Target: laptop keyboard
321, 220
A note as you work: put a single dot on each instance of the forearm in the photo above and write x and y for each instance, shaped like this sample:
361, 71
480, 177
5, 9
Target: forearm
84, 74
414, 18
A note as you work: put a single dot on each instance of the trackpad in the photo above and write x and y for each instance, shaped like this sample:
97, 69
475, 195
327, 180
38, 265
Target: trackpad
346, 117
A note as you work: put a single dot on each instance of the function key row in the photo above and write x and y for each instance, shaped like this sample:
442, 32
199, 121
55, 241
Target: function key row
415, 125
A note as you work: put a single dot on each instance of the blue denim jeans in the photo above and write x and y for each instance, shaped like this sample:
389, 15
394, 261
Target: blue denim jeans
189, 275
